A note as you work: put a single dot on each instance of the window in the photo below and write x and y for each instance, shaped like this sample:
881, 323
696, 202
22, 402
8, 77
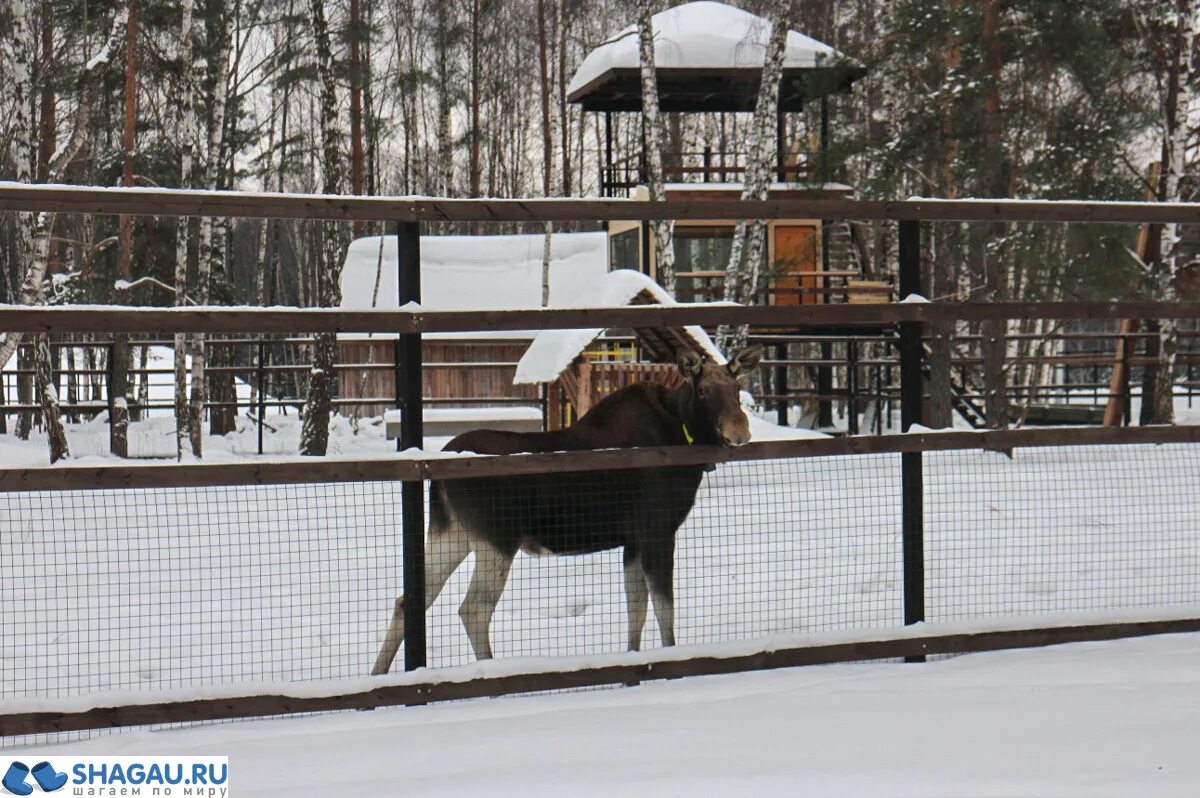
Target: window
701, 254
623, 250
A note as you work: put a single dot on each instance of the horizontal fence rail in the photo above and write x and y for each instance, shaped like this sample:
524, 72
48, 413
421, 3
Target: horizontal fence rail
418, 467
175, 202
89, 319
417, 692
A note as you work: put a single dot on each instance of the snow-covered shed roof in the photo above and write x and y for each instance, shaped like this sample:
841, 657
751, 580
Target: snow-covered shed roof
708, 56
553, 351
476, 272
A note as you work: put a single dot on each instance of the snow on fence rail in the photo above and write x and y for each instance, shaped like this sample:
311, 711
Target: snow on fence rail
187, 583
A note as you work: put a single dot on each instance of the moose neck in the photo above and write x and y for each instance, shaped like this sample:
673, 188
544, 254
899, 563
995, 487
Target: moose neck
691, 414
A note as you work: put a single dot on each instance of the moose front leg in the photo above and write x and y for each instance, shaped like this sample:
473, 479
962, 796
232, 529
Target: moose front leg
444, 551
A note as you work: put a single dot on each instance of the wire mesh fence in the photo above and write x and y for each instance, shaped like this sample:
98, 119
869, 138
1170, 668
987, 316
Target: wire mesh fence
180, 588
1061, 529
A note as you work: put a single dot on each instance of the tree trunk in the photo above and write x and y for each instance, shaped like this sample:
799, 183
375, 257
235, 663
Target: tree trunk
1176, 116
314, 436
995, 333
356, 131
125, 222
35, 231
547, 141
186, 425
445, 105
212, 242
56, 435
945, 246
741, 272
476, 165
664, 250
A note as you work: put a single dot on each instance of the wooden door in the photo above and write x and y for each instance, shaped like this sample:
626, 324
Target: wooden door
796, 265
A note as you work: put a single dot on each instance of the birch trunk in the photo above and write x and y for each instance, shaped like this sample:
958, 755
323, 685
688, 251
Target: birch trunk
212, 243
1175, 133
184, 421
547, 141
745, 257
35, 231
664, 251
314, 436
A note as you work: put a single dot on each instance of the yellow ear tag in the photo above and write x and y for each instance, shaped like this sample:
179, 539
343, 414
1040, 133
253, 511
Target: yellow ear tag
688, 435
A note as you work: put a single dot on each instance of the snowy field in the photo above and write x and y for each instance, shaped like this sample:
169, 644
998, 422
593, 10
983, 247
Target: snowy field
1112, 719
175, 589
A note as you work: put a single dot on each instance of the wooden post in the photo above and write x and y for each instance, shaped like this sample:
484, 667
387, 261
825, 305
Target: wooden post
412, 496
583, 398
911, 403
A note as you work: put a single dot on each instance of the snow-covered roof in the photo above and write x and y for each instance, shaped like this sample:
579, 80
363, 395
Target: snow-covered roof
476, 272
552, 351
702, 35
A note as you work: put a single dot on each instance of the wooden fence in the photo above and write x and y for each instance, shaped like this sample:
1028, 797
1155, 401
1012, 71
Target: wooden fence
907, 318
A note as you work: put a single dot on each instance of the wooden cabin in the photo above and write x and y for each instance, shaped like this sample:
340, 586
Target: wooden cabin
708, 58
578, 368
461, 370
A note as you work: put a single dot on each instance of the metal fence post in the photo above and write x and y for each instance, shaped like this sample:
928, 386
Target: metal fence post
911, 401
262, 391
412, 495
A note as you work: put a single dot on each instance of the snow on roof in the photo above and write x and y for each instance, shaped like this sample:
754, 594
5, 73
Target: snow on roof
476, 272
701, 35
552, 351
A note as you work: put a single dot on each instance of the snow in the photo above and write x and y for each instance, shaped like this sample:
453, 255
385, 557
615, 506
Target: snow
553, 350
476, 272
702, 35
914, 299
481, 414
1090, 719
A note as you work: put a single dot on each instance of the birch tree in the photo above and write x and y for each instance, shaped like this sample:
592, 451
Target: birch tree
314, 436
36, 231
664, 250
212, 232
186, 424
1174, 33
749, 238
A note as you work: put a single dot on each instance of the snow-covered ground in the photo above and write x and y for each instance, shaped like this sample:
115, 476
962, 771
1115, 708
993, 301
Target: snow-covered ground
1090, 719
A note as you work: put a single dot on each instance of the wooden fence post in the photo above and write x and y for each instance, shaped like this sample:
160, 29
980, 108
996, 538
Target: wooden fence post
911, 402
412, 495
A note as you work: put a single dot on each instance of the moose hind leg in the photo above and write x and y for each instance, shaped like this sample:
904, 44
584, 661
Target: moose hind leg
660, 574
636, 597
445, 550
487, 584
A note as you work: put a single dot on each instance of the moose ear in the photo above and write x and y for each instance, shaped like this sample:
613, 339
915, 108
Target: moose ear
745, 361
689, 363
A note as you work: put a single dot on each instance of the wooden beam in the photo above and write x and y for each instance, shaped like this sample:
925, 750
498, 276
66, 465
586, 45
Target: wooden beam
247, 205
314, 470
219, 320
887, 646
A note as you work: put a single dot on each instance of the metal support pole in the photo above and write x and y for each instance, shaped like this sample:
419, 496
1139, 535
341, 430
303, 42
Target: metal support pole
412, 494
852, 386
262, 391
781, 386
108, 390
607, 174
911, 401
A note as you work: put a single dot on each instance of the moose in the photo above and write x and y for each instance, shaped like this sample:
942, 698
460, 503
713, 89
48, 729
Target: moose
584, 512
